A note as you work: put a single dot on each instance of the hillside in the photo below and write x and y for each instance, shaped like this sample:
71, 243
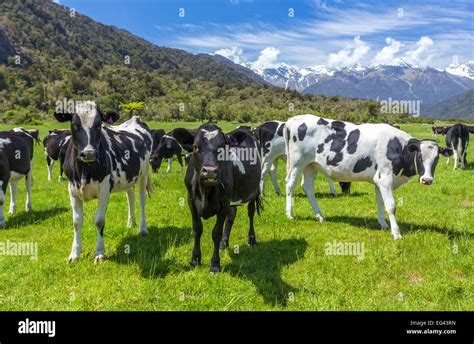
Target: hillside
46, 55
460, 106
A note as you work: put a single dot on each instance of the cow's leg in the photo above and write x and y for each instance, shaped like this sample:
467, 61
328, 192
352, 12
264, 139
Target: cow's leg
380, 209
265, 168
60, 178
142, 190
252, 240
77, 220
170, 160
131, 207
28, 184
331, 187
180, 161
309, 174
455, 157
273, 175
291, 180
49, 164
216, 238
99, 221
463, 157
386, 190
228, 227
3, 189
13, 192
197, 231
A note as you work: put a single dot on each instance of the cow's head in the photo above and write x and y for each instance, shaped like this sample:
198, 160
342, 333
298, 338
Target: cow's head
165, 150
208, 144
426, 154
86, 126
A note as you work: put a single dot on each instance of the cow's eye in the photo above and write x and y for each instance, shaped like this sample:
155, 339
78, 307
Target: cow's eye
76, 126
195, 149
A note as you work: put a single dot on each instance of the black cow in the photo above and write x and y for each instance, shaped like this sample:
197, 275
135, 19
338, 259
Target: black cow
156, 135
223, 172
101, 160
169, 146
457, 138
16, 162
55, 145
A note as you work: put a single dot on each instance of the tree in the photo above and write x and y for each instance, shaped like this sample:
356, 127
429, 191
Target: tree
130, 108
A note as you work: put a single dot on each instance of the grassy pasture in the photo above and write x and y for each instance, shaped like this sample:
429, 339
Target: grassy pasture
431, 268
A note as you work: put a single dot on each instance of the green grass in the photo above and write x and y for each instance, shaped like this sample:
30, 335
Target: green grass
429, 269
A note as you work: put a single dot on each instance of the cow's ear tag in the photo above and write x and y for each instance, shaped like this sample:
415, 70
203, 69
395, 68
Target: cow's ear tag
110, 117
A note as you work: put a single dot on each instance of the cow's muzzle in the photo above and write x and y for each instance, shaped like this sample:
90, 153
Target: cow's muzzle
426, 181
209, 175
88, 155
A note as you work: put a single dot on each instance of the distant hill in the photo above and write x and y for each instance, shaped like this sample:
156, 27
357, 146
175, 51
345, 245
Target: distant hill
460, 106
46, 55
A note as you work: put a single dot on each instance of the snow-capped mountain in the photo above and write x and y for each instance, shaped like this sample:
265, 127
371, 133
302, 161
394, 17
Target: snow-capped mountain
377, 81
466, 70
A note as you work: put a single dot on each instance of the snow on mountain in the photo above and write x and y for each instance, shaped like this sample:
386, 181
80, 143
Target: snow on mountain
466, 70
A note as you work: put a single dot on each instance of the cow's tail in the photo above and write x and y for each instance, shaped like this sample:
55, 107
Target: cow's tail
286, 135
259, 203
149, 184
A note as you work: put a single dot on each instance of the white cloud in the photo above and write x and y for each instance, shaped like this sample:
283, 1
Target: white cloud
349, 55
56, 1
267, 59
234, 54
386, 56
420, 56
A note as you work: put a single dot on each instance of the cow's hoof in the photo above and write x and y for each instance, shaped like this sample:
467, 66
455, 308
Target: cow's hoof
215, 269
99, 258
142, 234
383, 225
194, 263
252, 241
72, 259
319, 218
224, 245
28, 207
397, 236
12, 211
290, 217
131, 224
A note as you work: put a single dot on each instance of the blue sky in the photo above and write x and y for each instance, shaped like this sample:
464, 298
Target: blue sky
332, 33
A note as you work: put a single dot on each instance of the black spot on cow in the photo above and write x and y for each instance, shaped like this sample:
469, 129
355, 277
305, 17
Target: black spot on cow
395, 154
335, 160
352, 140
266, 148
294, 138
302, 131
362, 164
338, 125
320, 148
322, 121
280, 130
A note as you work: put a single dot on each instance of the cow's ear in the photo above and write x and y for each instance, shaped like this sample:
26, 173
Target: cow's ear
183, 136
110, 117
445, 151
236, 138
413, 145
63, 116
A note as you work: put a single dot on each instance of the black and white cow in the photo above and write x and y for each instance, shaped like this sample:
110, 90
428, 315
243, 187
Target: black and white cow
272, 143
220, 177
101, 160
376, 153
457, 138
55, 145
439, 130
16, 162
169, 146
156, 135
